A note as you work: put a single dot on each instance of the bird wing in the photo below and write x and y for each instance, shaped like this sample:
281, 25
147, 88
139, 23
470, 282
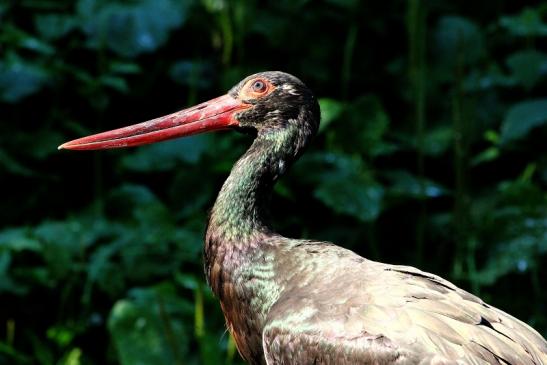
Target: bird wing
447, 320
385, 314
283, 346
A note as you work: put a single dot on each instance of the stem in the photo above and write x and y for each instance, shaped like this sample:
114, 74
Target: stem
416, 24
199, 321
227, 34
465, 248
231, 351
472, 266
349, 47
169, 333
10, 332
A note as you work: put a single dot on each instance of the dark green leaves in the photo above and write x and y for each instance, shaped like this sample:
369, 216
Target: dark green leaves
519, 223
167, 155
150, 326
54, 26
18, 239
344, 184
353, 197
330, 111
522, 118
527, 23
19, 78
430, 153
528, 67
130, 29
359, 126
6, 282
407, 185
195, 74
458, 41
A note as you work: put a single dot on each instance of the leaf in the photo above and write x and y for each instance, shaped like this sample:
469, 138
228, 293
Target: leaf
130, 28
489, 154
61, 335
436, 142
192, 73
104, 271
214, 6
114, 82
70, 235
373, 122
18, 239
6, 282
125, 68
330, 110
149, 327
129, 197
19, 79
352, 197
17, 37
36, 45
522, 117
73, 357
149, 240
42, 352
9, 352
525, 245
187, 281
458, 40
192, 182
527, 23
342, 183
54, 26
272, 28
513, 223
166, 155
59, 247
364, 124
513, 256
527, 67
12, 166
489, 79
40, 143
405, 184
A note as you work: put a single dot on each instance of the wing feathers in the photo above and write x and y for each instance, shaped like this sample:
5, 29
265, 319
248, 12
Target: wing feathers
375, 313
461, 326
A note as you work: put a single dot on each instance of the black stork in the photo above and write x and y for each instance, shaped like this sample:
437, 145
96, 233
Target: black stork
292, 301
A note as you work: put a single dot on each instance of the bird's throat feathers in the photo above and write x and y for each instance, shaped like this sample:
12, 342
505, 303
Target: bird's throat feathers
241, 212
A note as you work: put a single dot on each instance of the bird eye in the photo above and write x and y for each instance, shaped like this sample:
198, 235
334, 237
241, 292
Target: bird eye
259, 86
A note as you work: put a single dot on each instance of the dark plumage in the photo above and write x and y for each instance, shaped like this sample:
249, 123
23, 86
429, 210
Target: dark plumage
290, 301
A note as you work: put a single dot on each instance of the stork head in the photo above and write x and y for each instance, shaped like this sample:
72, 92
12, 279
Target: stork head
263, 102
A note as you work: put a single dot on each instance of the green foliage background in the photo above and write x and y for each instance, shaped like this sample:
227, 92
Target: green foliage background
431, 153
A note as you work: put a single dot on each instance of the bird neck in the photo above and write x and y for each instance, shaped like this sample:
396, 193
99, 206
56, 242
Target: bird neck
240, 244
241, 209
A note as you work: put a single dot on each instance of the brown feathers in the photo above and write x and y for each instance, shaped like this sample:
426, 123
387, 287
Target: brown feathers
373, 313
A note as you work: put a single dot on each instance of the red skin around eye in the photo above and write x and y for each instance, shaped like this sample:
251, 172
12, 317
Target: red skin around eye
250, 92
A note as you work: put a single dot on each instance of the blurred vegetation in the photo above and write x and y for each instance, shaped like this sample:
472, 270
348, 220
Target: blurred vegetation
431, 153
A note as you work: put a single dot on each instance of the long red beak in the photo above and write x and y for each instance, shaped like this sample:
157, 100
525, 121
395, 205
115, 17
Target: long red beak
212, 115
